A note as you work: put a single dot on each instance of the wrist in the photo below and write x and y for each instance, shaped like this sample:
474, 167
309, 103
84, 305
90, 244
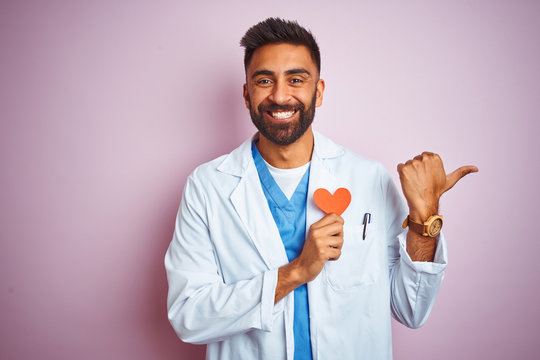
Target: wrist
420, 215
294, 273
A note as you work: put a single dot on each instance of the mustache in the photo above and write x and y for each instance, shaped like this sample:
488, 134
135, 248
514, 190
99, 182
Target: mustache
277, 107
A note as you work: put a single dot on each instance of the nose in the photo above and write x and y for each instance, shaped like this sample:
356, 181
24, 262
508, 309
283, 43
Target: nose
280, 93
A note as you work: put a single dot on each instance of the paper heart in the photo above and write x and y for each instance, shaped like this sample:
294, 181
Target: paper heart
329, 203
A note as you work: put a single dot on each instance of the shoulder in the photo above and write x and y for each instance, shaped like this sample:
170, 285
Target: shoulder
224, 171
343, 160
207, 170
360, 161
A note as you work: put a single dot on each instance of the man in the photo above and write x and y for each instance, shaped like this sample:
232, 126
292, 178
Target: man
257, 270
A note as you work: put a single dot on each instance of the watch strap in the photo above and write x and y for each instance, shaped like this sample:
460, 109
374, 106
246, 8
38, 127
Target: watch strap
417, 227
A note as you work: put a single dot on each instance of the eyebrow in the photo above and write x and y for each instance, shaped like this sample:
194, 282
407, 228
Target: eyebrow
297, 71
262, 72
288, 72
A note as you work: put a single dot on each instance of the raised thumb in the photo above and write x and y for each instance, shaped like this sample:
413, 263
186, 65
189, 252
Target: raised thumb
456, 175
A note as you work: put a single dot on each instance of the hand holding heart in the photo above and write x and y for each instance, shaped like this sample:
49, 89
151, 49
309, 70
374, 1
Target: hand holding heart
424, 180
323, 243
325, 237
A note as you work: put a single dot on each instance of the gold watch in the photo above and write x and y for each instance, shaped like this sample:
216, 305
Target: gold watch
431, 227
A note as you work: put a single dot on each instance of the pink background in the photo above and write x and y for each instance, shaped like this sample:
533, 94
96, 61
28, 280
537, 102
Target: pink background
107, 106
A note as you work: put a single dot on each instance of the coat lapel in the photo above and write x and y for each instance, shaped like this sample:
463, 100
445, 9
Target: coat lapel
251, 206
321, 175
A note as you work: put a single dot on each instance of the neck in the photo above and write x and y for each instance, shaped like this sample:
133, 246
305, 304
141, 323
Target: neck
287, 156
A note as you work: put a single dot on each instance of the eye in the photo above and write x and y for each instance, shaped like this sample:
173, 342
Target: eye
296, 81
264, 81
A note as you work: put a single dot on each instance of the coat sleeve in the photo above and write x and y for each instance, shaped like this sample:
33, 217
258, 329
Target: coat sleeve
201, 307
414, 285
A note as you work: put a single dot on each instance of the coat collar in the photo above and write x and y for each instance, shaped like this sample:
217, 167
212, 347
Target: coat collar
239, 160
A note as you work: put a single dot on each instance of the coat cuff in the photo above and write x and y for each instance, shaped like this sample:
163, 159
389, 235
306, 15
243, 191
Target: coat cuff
267, 299
439, 261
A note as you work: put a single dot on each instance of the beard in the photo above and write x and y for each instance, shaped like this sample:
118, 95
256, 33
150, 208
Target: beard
283, 133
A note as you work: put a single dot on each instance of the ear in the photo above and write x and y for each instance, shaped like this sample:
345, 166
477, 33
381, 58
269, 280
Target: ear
320, 90
246, 96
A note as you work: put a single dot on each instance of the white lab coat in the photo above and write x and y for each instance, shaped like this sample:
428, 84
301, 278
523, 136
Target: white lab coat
223, 260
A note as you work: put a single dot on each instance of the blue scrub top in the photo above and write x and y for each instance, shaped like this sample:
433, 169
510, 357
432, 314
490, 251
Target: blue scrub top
290, 218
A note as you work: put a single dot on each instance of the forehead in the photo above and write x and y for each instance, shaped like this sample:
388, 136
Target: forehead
281, 57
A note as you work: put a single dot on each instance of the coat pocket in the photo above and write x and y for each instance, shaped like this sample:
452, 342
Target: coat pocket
360, 261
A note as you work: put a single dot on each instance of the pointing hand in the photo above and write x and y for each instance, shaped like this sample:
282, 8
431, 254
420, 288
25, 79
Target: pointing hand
424, 180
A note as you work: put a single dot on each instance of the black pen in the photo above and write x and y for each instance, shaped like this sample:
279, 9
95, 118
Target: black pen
367, 220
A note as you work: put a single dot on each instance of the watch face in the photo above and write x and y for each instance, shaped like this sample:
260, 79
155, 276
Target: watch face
435, 227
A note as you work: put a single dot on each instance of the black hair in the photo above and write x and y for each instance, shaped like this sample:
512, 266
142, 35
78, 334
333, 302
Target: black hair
276, 31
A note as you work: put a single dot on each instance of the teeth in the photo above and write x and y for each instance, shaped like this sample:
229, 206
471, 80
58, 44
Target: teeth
282, 114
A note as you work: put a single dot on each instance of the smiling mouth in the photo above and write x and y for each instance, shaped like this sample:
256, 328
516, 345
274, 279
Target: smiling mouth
281, 115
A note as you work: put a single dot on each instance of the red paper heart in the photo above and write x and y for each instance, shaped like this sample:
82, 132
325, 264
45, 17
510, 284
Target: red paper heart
329, 203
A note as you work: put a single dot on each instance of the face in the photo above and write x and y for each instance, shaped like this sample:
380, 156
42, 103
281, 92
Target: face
282, 90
